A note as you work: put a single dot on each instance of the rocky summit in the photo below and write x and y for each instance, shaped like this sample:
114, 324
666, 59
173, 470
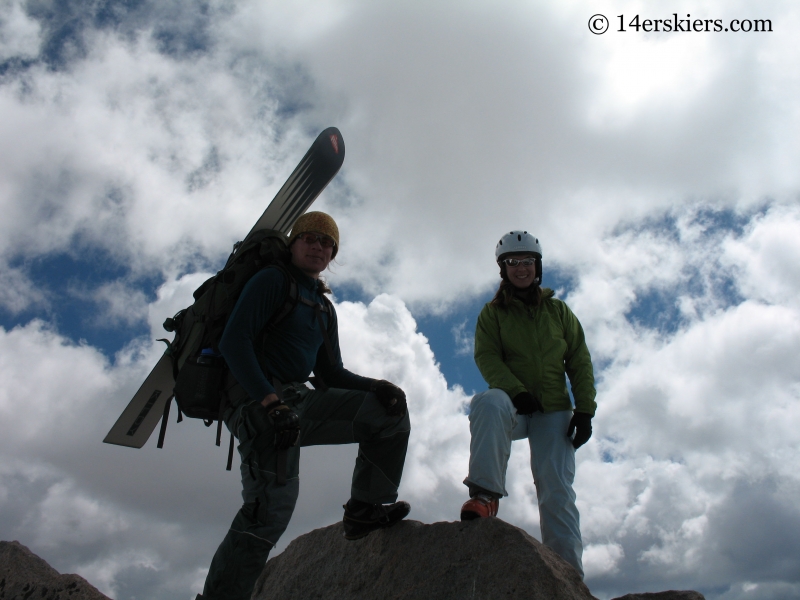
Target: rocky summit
485, 558
25, 575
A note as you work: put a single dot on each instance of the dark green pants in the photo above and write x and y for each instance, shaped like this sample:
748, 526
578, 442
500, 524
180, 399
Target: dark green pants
333, 416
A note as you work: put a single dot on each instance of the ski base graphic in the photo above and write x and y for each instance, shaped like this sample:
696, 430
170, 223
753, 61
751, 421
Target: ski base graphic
140, 417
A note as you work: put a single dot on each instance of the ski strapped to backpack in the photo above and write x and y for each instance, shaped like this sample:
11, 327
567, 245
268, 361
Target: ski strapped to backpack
198, 366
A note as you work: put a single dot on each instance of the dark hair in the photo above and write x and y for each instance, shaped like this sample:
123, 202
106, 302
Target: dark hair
322, 286
507, 290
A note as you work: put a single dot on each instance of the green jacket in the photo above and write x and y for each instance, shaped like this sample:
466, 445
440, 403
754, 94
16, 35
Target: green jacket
526, 348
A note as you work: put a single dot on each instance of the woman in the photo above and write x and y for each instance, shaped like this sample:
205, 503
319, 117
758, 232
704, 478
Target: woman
525, 341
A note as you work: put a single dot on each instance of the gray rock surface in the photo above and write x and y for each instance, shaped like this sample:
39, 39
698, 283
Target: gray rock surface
481, 559
24, 575
670, 595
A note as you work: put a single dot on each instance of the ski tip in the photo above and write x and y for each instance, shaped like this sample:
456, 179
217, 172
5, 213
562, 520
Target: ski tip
331, 143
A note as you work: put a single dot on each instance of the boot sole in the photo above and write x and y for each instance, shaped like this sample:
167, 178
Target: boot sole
469, 516
356, 533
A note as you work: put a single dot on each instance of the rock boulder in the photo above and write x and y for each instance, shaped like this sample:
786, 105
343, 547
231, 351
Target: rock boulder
485, 558
25, 575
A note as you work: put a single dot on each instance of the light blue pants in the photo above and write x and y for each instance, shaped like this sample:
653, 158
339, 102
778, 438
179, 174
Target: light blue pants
494, 424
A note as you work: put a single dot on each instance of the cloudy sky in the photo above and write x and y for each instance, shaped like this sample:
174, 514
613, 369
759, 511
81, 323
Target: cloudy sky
140, 139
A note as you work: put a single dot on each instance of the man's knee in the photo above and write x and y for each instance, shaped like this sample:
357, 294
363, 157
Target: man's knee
385, 425
402, 423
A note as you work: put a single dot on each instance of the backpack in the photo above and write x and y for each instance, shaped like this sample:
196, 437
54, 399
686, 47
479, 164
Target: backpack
198, 367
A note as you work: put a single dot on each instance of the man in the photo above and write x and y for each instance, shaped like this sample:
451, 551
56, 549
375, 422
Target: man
274, 413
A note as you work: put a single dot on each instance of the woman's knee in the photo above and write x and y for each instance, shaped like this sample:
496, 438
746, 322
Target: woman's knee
493, 400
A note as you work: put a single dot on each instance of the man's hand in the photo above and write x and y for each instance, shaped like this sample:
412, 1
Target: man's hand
286, 424
269, 399
527, 404
390, 396
581, 424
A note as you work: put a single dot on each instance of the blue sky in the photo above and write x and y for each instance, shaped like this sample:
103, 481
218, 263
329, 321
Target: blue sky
140, 140
67, 281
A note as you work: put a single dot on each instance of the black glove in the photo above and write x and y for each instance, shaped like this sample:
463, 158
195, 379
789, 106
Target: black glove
581, 424
390, 396
286, 424
527, 404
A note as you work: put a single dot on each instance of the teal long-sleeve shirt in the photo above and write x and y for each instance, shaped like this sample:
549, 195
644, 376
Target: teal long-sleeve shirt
293, 349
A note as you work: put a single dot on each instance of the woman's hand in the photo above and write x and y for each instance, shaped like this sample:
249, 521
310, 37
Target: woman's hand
527, 404
581, 424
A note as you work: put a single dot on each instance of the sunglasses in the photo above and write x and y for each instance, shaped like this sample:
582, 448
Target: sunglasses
325, 241
525, 262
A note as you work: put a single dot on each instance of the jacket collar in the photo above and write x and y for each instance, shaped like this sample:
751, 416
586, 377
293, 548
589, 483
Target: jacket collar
547, 293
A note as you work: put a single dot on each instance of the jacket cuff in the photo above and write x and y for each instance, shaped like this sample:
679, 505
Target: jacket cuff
512, 393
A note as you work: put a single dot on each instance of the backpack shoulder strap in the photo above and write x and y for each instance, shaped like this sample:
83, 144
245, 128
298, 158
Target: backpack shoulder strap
328, 306
318, 310
326, 334
289, 302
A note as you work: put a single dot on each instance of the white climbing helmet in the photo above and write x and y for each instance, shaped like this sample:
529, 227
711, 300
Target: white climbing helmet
515, 242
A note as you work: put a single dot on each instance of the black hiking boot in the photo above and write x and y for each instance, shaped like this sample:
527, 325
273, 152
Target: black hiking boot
361, 518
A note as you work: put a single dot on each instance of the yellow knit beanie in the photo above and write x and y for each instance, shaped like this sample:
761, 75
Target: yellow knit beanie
316, 222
